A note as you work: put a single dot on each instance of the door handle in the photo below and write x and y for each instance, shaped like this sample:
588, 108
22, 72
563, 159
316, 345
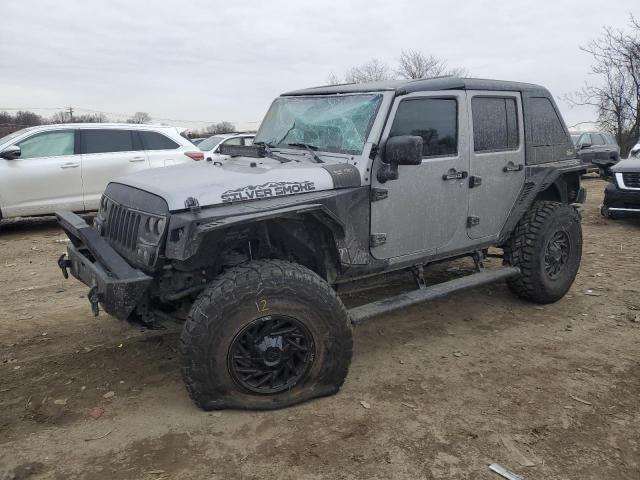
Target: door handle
137, 159
70, 165
453, 174
513, 168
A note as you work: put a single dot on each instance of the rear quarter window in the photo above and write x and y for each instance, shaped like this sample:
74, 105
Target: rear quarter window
156, 141
546, 127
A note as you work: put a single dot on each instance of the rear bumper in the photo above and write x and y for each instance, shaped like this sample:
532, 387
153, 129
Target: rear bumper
625, 202
114, 284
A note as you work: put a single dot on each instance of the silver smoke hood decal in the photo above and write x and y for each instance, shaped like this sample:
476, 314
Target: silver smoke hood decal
266, 190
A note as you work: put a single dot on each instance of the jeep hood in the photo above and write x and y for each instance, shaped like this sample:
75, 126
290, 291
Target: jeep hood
237, 181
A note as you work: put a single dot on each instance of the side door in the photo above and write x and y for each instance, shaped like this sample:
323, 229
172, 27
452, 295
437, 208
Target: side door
497, 171
45, 178
585, 149
107, 154
427, 205
161, 151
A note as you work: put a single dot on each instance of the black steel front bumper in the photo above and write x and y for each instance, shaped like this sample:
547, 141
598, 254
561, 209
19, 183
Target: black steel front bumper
621, 202
114, 284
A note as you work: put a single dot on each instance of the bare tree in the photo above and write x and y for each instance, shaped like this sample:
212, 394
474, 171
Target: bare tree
140, 117
222, 127
214, 129
27, 119
414, 64
372, 71
616, 92
411, 64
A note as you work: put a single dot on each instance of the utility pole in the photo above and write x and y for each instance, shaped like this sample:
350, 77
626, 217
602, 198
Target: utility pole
71, 114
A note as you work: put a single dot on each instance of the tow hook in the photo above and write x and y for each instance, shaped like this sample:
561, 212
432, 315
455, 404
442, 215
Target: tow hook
93, 300
64, 263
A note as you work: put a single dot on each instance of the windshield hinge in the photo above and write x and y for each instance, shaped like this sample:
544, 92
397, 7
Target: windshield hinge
379, 194
377, 239
472, 221
374, 151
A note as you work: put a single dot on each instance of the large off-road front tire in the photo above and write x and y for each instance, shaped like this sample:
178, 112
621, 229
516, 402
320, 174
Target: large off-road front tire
265, 335
547, 247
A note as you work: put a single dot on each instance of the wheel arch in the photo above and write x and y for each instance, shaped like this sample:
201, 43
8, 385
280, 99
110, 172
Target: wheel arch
310, 235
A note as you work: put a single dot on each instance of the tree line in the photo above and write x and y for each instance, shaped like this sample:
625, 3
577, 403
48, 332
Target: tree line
25, 118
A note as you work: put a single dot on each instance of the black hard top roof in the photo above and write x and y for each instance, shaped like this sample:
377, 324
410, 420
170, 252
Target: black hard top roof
402, 87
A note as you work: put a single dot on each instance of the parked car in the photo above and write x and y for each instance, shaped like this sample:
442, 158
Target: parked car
635, 151
68, 166
598, 151
211, 146
622, 194
342, 183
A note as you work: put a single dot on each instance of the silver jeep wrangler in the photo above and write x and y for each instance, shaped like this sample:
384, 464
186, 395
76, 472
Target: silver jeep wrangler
342, 182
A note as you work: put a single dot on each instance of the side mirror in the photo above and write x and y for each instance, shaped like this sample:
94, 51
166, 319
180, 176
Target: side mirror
400, 150
11, 153
403, 150
584, 145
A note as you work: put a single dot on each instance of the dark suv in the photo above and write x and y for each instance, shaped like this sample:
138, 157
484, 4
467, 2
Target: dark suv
599, 151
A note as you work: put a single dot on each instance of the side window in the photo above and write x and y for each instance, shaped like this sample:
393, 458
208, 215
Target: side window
585, 139
156, 141
596, 139
433, 119
106, 141
233, 141
546, 127
495, 124
248, 141
49, 144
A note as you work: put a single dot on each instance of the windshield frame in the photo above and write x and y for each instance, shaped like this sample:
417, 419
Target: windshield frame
320, 149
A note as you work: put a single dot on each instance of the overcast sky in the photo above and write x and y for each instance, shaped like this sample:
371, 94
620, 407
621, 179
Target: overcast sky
204, 60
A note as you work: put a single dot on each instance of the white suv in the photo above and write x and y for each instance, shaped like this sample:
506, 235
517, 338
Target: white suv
56, 167
211, 146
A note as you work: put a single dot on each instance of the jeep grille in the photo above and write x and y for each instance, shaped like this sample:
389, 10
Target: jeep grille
122, 225
134, 234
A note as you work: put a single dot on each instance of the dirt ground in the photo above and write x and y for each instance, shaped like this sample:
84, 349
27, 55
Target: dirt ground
550, 392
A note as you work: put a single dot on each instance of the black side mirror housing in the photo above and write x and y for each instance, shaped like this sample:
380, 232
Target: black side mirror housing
400, 150
11, 153
584, 145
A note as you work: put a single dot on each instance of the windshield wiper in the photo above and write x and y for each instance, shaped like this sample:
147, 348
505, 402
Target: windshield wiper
309, 148
270, 154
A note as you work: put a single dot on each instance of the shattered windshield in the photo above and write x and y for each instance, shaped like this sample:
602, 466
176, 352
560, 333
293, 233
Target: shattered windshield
335, 123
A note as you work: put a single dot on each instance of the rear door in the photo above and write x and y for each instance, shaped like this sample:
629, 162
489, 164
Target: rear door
497, 160
107, 154
160, 149
46, 177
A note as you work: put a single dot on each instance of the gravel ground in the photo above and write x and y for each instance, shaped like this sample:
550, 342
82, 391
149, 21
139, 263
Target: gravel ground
551, 392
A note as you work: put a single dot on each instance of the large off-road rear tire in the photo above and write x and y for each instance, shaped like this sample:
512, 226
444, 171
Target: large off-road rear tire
547, 247
265, 335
